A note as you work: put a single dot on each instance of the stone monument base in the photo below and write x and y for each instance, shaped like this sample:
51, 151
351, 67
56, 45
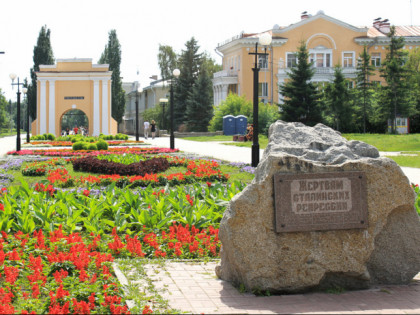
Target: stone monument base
256, 252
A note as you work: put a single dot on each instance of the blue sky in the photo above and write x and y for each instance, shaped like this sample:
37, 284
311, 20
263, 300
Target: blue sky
79, 28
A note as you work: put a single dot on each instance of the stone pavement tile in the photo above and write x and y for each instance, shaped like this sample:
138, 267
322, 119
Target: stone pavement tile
198, 291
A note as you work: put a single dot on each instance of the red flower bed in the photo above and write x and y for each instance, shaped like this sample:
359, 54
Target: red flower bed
198, 170
61, 274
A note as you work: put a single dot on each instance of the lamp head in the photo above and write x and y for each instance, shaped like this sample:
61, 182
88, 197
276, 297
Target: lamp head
24, 90
176, 73
13, 76
163, 100
265, 39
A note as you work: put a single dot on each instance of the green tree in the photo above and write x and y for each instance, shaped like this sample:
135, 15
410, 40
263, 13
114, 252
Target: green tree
338, 101
199, 103
301, 99
413, 66
4, 113
396, 98
210, 64
167, 61
112, 56
364, 92
43, 55
189, 63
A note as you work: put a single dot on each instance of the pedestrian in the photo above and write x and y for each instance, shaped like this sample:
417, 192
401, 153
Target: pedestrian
153, 129
249, 132
146, 129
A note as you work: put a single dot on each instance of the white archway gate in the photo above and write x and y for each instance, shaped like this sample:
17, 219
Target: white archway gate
74, 84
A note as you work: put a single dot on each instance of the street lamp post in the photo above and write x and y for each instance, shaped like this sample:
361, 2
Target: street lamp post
265, 40
28, 137
163, 102
175, 74
13, 77
138, 91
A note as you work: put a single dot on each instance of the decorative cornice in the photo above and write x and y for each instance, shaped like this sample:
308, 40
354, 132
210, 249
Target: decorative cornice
75, 60
248, 42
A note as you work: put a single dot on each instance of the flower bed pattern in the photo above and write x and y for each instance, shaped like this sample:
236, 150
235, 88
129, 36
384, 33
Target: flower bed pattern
70, 152
69, 143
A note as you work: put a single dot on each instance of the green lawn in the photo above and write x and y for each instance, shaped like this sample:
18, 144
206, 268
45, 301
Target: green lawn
388, 143
411, 160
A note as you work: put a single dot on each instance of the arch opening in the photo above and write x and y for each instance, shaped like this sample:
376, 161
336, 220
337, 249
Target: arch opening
74, 118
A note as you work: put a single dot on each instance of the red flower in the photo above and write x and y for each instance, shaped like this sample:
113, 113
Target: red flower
147, 310
86, 192
1, 207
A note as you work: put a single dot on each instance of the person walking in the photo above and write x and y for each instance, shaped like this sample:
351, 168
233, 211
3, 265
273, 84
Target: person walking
153, 129
146, 129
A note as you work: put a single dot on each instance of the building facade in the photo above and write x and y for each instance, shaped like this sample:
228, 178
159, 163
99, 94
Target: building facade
148, 97
329, 41
74, 84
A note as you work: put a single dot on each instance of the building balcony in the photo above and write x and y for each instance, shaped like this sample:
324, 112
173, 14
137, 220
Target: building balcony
225, 74
326, 73
225, 77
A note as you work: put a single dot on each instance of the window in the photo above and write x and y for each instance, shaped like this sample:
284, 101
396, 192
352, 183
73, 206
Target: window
263, 62
376, 59
320, 60
348, 59
291, 60
263, 89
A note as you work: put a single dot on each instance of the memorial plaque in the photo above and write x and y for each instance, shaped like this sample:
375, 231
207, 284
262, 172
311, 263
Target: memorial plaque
320, 201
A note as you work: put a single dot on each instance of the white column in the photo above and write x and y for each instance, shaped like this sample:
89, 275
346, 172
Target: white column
105, 118
224, 92
51, 109
43, 108
217, 95
96, 119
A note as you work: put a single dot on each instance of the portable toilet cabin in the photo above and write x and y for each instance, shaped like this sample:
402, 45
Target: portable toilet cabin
241, 122
229, 125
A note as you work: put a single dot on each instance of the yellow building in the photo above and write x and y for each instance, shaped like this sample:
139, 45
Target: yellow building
74, 84
329, 42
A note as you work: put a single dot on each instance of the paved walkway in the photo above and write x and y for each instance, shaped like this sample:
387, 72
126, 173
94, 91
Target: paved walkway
194, 288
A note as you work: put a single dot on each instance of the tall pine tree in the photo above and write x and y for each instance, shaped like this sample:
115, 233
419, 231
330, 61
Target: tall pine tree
301, 99
112, 56
338, 101
199, 103
364, 92
189, 63
396, 96
43, 55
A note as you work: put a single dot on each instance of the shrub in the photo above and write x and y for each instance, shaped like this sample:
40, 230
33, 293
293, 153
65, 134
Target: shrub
92, 146
78, 146
102, 145
50, 136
